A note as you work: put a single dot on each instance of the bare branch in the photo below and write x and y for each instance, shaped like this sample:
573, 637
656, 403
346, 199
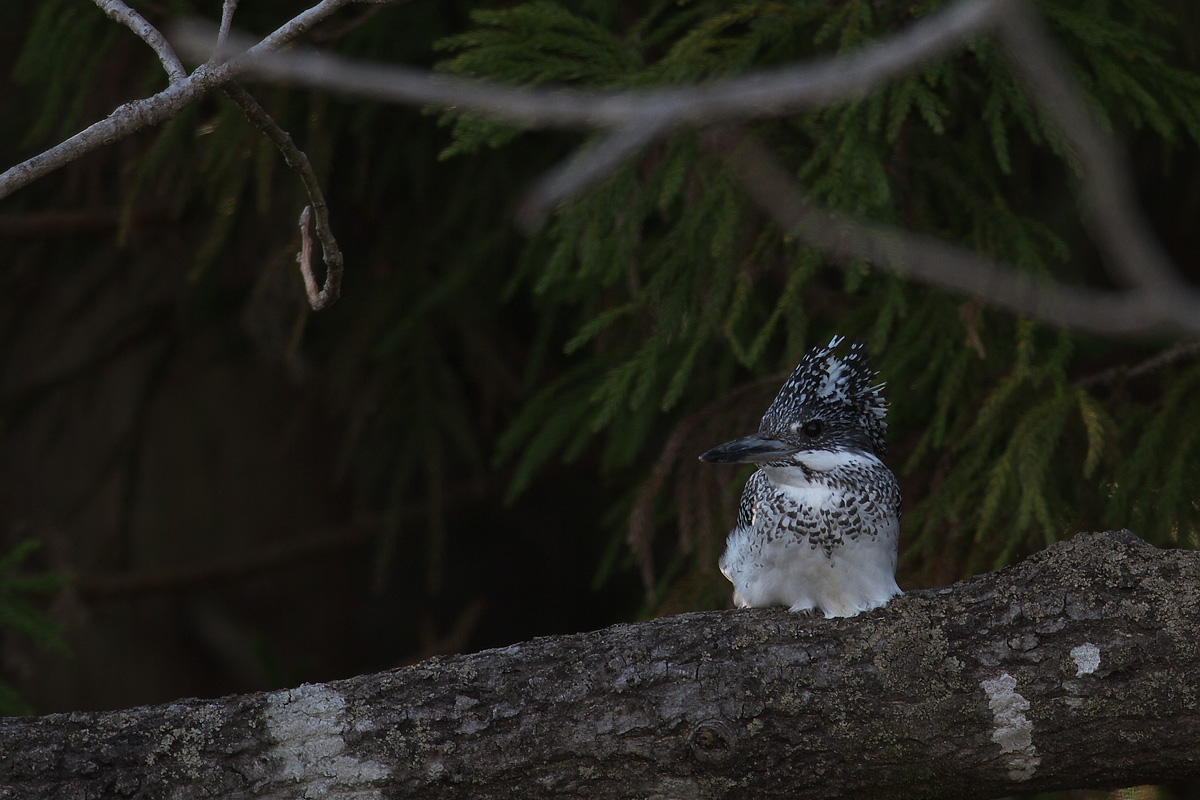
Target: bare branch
118, 11
768, 93
123, 121
227, 10
139, 114
1158, 298
291, 30
332, 256
318, 298
947, 265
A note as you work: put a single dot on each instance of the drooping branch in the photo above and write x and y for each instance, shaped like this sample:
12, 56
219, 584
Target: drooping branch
698, 497
1075, 668
319, 297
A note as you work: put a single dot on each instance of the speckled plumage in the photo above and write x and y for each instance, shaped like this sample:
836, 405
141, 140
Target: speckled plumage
819, 521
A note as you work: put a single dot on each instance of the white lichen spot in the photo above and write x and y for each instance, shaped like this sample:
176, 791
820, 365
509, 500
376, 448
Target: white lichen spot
1014, 731
308, 724
1087, 659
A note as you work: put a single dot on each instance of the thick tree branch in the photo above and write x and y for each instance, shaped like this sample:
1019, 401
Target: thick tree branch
1075, 668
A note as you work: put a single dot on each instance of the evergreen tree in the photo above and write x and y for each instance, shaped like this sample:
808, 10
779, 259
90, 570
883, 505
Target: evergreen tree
682, 291
586, 366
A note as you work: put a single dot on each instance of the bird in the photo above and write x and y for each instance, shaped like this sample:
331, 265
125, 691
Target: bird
819, 522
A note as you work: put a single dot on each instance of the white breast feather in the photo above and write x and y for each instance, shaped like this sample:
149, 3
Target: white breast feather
855, 576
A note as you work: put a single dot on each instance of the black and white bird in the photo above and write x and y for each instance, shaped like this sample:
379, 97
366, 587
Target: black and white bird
819, 521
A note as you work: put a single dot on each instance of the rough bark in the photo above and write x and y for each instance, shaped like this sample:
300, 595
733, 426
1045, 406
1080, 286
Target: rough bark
1078, 667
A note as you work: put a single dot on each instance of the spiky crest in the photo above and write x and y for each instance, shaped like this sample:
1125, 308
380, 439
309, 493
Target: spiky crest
839, 391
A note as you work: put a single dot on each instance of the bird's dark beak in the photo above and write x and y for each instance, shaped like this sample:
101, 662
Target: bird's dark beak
754, 449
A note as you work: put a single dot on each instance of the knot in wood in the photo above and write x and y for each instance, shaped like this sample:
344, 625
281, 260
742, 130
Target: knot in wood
712, 740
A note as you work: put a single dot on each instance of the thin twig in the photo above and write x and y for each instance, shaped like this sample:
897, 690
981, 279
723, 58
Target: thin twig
132, 117
304, 259
1156, 362
332, 33
318, 298
119, 12
227, 10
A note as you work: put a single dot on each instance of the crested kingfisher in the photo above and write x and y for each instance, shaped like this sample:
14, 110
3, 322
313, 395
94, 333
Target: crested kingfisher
819, 522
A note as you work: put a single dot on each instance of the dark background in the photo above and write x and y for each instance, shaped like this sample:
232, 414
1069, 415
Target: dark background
239, 494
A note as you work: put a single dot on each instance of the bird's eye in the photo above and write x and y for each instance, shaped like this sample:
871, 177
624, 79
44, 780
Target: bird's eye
813, 428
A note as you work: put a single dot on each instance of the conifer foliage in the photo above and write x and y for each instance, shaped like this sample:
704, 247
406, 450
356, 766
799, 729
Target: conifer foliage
681, 290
